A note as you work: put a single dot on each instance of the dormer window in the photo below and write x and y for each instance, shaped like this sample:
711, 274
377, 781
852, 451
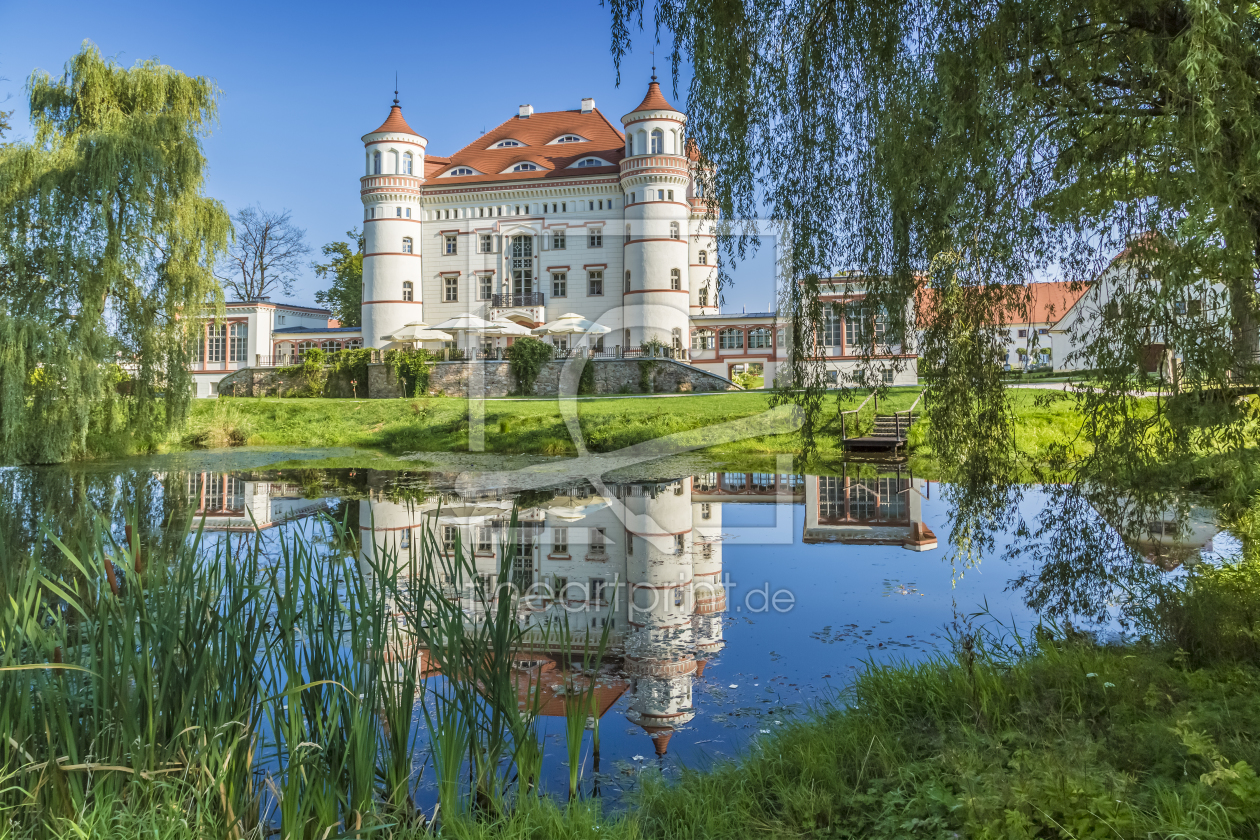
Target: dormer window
461, 170
507, 144
525, 167
569, 138
592, 162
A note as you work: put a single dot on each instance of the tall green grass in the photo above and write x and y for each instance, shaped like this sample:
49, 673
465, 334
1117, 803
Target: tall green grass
268, 687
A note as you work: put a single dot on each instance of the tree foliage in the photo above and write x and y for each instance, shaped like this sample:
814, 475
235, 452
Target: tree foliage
344, 271
106, 243
1003, 139
265, 255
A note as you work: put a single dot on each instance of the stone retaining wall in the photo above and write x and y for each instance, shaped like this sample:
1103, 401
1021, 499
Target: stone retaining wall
611, 376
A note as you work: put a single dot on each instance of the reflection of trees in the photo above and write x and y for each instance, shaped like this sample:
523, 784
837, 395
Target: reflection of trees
1085, 563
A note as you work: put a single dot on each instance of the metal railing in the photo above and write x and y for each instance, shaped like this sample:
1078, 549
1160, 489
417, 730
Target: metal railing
841, 414
503, 301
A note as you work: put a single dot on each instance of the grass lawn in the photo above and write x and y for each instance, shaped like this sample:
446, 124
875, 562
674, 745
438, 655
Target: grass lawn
441, 424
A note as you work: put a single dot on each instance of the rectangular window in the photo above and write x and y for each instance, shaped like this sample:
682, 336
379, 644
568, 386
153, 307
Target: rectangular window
597, 590
1023, 333
452, 244
559, 284
449, 535
239, 345
217, 343
560, 541
487, 243
595, 239
452, 288
856, 323
487, 286
1195, 306
596, 283
778, 341
485, 540
558, 241
1043, 332
706, 511
671, 195
888, 374
731, 339
598, 541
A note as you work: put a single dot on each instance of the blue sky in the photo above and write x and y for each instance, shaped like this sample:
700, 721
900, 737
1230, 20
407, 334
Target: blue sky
302, 82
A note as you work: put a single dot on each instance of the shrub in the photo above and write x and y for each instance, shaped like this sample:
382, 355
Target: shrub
526, 358
413, 369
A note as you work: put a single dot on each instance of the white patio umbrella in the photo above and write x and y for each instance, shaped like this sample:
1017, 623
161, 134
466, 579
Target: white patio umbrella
469, 323
417, 331
571, 324
510, 327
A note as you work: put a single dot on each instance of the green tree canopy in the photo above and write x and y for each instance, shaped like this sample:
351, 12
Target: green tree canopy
106, 241
344, 270
970, 147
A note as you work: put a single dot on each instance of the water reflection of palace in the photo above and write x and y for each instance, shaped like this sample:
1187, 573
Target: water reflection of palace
230, 503
876, 509
646, 561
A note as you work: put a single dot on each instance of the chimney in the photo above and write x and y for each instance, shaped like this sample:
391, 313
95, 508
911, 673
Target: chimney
524, 112
588, 105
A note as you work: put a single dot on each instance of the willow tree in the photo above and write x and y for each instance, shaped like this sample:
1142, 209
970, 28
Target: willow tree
106, 244
965, 148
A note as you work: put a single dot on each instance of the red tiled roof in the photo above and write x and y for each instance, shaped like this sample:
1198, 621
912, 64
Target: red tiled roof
655, 100
535, 132
1035, 303
395, 123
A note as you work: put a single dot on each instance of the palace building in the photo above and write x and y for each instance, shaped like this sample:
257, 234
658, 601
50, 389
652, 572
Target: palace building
545, 215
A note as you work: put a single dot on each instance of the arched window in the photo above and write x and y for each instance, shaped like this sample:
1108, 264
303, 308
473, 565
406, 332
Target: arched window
731, 339
284, 350
759, 339
408, 290
330, 346
590, 162
673, 230
376, 163
461, 170
407, 163
393, 161
640, 142
702, 340
627, 281
302, 347
353, 344
658, 141
675, 279
367, 163
704, 258
524, 167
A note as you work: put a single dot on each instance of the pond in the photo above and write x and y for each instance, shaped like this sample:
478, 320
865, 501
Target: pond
732, 598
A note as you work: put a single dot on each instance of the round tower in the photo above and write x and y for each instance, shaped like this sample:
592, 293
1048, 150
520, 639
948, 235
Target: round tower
390, 188
702, 244
655, 178
707, 588
660, 647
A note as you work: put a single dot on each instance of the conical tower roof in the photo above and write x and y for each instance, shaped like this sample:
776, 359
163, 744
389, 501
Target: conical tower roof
655, 100
395, 123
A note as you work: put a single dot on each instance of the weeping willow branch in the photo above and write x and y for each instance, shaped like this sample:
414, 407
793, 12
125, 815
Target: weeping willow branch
106, 243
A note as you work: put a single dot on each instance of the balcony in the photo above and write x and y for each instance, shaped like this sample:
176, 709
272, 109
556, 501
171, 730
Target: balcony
514, 301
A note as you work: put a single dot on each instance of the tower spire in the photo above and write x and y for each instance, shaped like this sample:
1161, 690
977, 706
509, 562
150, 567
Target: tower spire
654, 64
395, 87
